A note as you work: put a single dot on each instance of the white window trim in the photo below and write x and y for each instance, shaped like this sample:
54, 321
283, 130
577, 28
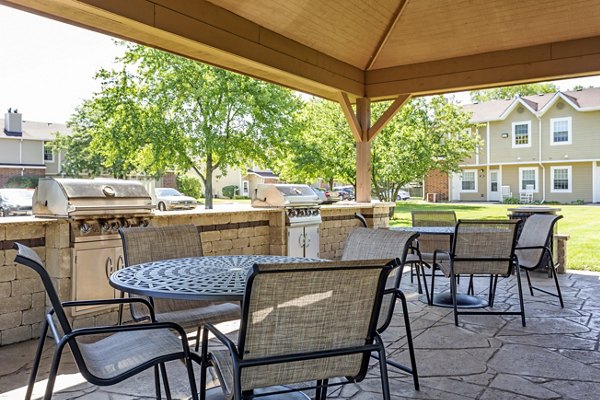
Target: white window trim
514, 138
474, 171
569, 130
537, 180
569, 177
44, 155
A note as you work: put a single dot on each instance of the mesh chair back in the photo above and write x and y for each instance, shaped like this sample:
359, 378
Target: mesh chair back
146, 244
370, 244
430, 243
484, 247
536, 232
292, 309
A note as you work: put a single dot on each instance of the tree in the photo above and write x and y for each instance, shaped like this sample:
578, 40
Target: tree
427, 133
509, 92
161, 111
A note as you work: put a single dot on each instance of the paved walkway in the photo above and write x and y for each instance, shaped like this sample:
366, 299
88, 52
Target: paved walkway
488, 357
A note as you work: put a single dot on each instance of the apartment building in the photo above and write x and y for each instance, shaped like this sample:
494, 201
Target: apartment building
549, 143
24, 147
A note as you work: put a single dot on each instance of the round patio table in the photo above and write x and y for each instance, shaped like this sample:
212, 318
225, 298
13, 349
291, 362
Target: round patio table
444, 299
219, 278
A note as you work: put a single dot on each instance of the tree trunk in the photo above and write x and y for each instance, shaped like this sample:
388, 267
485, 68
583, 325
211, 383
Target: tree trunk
208, 184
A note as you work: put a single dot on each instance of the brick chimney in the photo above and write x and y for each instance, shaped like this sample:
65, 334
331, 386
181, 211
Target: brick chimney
13, 123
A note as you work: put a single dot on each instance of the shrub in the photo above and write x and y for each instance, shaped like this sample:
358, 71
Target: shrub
22, 182
230, 191
511, 200
240, 197
189, 186
578, 202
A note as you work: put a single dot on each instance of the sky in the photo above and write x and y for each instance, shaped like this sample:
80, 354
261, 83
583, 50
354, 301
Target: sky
48, 66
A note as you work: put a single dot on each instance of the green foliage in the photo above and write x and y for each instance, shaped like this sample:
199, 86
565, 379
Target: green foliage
231, 191
240, 197
578, 202
511, 200
160, 112
426, 134
509, 92
190, 186
23, 182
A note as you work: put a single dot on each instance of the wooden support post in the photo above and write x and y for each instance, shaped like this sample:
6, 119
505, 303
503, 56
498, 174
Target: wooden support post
363, 151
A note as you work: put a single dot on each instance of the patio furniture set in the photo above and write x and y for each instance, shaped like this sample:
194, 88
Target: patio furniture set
294, 314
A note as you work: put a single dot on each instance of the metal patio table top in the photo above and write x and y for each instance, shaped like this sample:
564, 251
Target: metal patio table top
426, 230
220, 278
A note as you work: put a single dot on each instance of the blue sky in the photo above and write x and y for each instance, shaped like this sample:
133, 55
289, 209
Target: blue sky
48, 66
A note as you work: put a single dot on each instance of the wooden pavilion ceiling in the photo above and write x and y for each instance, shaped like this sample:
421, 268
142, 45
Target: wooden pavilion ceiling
377, 48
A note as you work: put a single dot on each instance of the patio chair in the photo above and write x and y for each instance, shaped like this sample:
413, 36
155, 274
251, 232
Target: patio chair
301, 324
534, 249
427, 244
505, 192
145, 244
526, 196
121, 352
365, 244
482, 248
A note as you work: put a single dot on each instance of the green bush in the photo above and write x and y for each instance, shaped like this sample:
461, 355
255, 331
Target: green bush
23, 182
240, 197
230, 191
189, 186
511, 200
578, 202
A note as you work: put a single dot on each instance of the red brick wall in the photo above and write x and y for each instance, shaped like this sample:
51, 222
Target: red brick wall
436, 182
6, 173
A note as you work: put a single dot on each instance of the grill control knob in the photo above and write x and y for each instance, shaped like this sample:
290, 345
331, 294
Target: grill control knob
315, 211
291, 213
85, 228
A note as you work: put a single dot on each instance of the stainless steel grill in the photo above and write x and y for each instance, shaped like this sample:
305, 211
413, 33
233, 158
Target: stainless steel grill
303, 215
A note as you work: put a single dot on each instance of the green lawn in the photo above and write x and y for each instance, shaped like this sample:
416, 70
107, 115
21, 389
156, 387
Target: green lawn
581, 223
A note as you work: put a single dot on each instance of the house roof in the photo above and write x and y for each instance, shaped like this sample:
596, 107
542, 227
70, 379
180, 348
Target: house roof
38, 130
263, 174
377, 49
495, 110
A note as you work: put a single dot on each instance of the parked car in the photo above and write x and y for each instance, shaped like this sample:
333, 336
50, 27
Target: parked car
15, 202
171, 199
320, 193
345, 192
327, 196
403, 195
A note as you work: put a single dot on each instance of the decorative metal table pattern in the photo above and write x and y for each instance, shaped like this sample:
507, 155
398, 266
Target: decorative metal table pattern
196, 278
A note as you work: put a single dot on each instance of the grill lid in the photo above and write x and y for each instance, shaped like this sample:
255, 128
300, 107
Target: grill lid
65, 198
283, 195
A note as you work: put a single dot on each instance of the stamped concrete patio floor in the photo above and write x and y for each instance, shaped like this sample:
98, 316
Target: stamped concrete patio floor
488, 357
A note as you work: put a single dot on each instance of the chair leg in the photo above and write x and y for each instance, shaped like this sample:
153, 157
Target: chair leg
198, 336
453, 293
520, 287
36, 360
409, 341
53, 371
432, 292
529, 282
157, 382
562, 304
190, 371
471, 288
385, 383
321, 391
203, 364
422, 265
416, 269
163, 372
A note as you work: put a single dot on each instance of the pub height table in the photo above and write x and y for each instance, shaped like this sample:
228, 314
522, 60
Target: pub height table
217, 278
444, 299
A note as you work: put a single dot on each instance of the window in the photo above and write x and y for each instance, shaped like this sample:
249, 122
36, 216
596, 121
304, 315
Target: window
560, 130
560, 179
528, 176
469, 181
521, 134
48, 153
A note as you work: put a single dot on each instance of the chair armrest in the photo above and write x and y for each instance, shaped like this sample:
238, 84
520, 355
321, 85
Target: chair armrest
533, 248
436, 252
125, 328
100, 302
223, 339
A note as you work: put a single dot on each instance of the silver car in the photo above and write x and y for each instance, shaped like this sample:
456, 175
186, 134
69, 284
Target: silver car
172, 199
15, 202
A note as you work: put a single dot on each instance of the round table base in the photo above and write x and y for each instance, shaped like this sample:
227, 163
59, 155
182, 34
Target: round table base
462, 300
216, 393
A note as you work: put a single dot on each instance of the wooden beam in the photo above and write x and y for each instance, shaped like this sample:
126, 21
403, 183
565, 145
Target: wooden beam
387, 115
386, 34
363, 152
350, 116
572, 58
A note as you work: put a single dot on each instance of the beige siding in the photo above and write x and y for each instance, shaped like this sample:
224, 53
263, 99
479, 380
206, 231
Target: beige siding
501, 149
483, 146
585, 134
480, 195
33, 152
9, 151
581, 185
